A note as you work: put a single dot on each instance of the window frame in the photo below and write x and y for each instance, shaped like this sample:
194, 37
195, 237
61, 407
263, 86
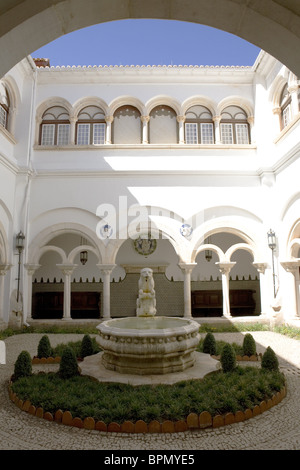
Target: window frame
55, 123
234, 123
91, 123
199, 122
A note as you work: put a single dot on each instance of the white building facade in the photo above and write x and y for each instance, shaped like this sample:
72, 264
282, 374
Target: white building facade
187, 170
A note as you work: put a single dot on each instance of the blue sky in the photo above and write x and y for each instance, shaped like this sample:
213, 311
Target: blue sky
149, 42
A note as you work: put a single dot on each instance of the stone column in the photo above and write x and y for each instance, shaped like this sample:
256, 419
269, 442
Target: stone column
293, 90
277, 112
106, 270
217, 120
27, 304
72, 130
252, 136
225, 268
145, 120
67, 270
264, 294
4, 268
291, 287
181, 120
108, 120
187, 269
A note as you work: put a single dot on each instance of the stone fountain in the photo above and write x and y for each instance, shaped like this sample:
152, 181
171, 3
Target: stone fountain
148, 349
148, 344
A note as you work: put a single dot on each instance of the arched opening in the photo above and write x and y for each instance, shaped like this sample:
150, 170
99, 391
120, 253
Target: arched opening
208, 278
67, 258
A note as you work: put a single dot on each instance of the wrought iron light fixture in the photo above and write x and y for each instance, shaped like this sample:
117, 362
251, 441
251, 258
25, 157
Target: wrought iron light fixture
83, 253
272, 245
20, 247
208, 253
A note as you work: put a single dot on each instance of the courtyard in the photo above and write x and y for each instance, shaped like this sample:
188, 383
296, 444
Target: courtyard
276, 429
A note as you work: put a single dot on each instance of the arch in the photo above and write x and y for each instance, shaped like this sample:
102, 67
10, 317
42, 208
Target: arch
199, 100
163, 100
209, 246
49, 103
239, 246
89, 101
272, 25
126, 100
238, 101
48, 233
47, 248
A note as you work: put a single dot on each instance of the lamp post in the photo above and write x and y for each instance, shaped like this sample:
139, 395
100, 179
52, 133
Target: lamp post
272, 246
20, 247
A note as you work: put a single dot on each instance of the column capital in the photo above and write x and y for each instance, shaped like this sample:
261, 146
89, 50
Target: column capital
106, 268
261, 267
4, 268
180, 118
290, 266
145, 119
31, 268
187, 267
67, 269
277, 110
225, 266
109, 118
217, 118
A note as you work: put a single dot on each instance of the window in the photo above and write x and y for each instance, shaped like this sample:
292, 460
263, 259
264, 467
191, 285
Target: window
234, 126
4, 106
55, 127
199, 128
91, 126
127, 126
285, 105
163, 126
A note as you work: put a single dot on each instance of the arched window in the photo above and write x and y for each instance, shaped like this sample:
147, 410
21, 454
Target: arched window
4, 106
90, 129
55, 127
199, 128
163, 126
127, 126
285, 106
234, 126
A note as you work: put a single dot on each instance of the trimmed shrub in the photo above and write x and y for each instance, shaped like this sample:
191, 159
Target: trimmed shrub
23, 365
44, 347
68, 364
209, 344
249, 346
86, 347
228, 358
269, 360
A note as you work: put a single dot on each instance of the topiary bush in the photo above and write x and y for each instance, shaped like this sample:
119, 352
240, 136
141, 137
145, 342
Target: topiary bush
249, 346
23, 365
209, 344
87, 348
68, 364
269, 360
228, 358
44, 347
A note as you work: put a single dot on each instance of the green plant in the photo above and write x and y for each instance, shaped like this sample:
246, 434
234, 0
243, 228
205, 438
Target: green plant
209, 344
23, 365
86, 347
249, 346
269, 360
68, 364
44, 347
228, 358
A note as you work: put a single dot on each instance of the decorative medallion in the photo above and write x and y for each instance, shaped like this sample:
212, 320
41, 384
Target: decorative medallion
144, 245
106, 231
186, 230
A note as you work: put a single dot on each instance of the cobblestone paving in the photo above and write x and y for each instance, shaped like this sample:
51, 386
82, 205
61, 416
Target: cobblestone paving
276, 429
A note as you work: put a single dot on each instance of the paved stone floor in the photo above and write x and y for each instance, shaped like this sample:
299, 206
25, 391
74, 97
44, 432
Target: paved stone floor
276, 429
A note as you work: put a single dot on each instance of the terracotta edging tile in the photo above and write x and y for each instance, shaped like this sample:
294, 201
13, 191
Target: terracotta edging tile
193, 421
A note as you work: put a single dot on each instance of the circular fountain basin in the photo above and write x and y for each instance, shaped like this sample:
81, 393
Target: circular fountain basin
148, 345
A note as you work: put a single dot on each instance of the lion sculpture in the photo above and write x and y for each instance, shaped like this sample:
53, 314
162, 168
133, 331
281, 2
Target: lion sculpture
146, 302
